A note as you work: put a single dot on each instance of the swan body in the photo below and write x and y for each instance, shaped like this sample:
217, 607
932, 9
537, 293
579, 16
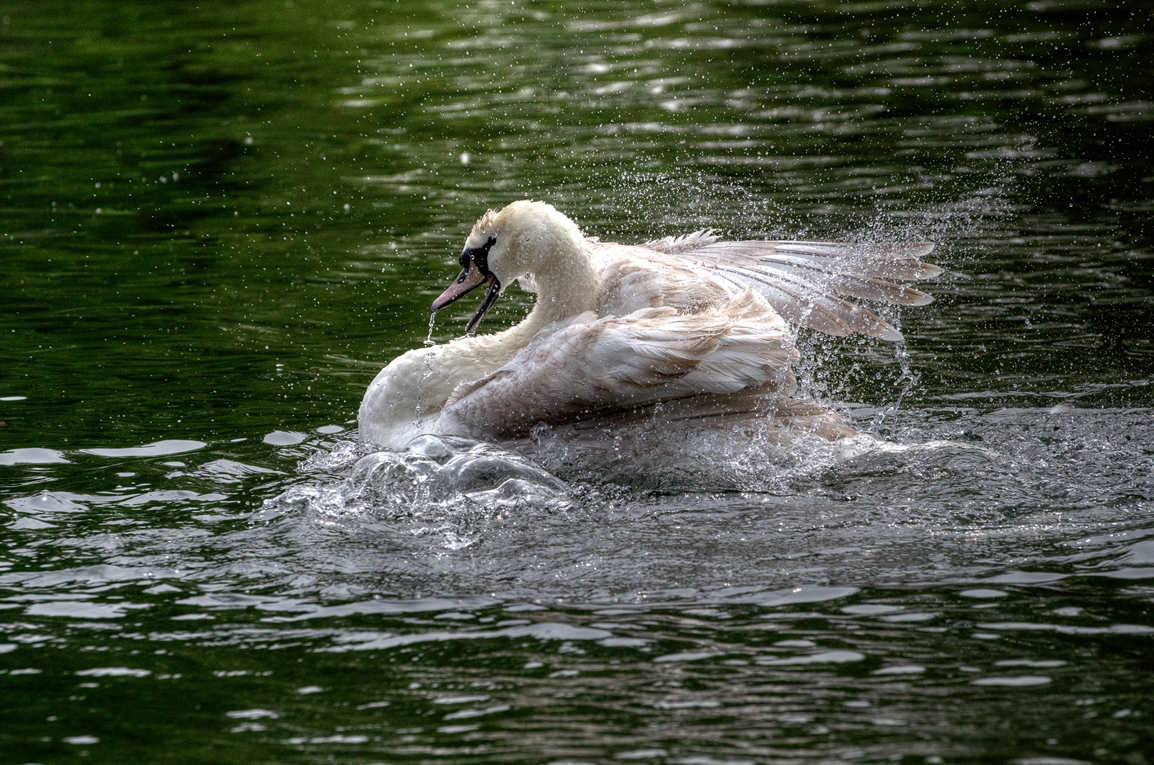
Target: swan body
694, 325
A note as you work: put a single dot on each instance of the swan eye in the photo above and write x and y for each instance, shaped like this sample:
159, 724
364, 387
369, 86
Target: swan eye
479, 256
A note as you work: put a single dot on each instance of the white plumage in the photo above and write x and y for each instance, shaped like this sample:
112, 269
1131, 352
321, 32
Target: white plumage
692, 322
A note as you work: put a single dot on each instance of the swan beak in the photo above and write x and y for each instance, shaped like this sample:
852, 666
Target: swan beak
470, 278
490, 298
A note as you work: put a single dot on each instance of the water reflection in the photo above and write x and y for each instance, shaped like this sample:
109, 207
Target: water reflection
217, 225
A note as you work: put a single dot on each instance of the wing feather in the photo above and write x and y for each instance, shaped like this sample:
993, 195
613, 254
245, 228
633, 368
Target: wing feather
590, 366
803, 280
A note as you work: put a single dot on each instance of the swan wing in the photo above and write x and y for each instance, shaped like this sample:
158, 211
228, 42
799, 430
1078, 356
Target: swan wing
587, 367
803, 280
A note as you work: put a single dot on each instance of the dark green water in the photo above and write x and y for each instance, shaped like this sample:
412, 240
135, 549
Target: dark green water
219, 220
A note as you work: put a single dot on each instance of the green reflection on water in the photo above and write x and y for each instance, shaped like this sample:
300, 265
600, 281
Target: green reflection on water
221, 218
218, 220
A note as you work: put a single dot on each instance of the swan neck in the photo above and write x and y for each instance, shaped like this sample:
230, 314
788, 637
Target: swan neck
567, 286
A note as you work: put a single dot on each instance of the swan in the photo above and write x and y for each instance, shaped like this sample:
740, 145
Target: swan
698, 328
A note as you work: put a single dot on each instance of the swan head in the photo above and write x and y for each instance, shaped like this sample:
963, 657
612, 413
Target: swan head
524, 238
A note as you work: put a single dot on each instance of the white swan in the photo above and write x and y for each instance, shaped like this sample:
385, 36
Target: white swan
696, 325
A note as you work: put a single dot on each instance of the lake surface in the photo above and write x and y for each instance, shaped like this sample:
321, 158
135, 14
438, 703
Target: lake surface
218, 221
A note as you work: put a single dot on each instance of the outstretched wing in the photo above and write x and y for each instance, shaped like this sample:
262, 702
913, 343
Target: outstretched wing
803, 280
587, 367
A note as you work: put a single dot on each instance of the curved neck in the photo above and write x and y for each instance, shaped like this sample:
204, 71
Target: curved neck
567, 285
417, 384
